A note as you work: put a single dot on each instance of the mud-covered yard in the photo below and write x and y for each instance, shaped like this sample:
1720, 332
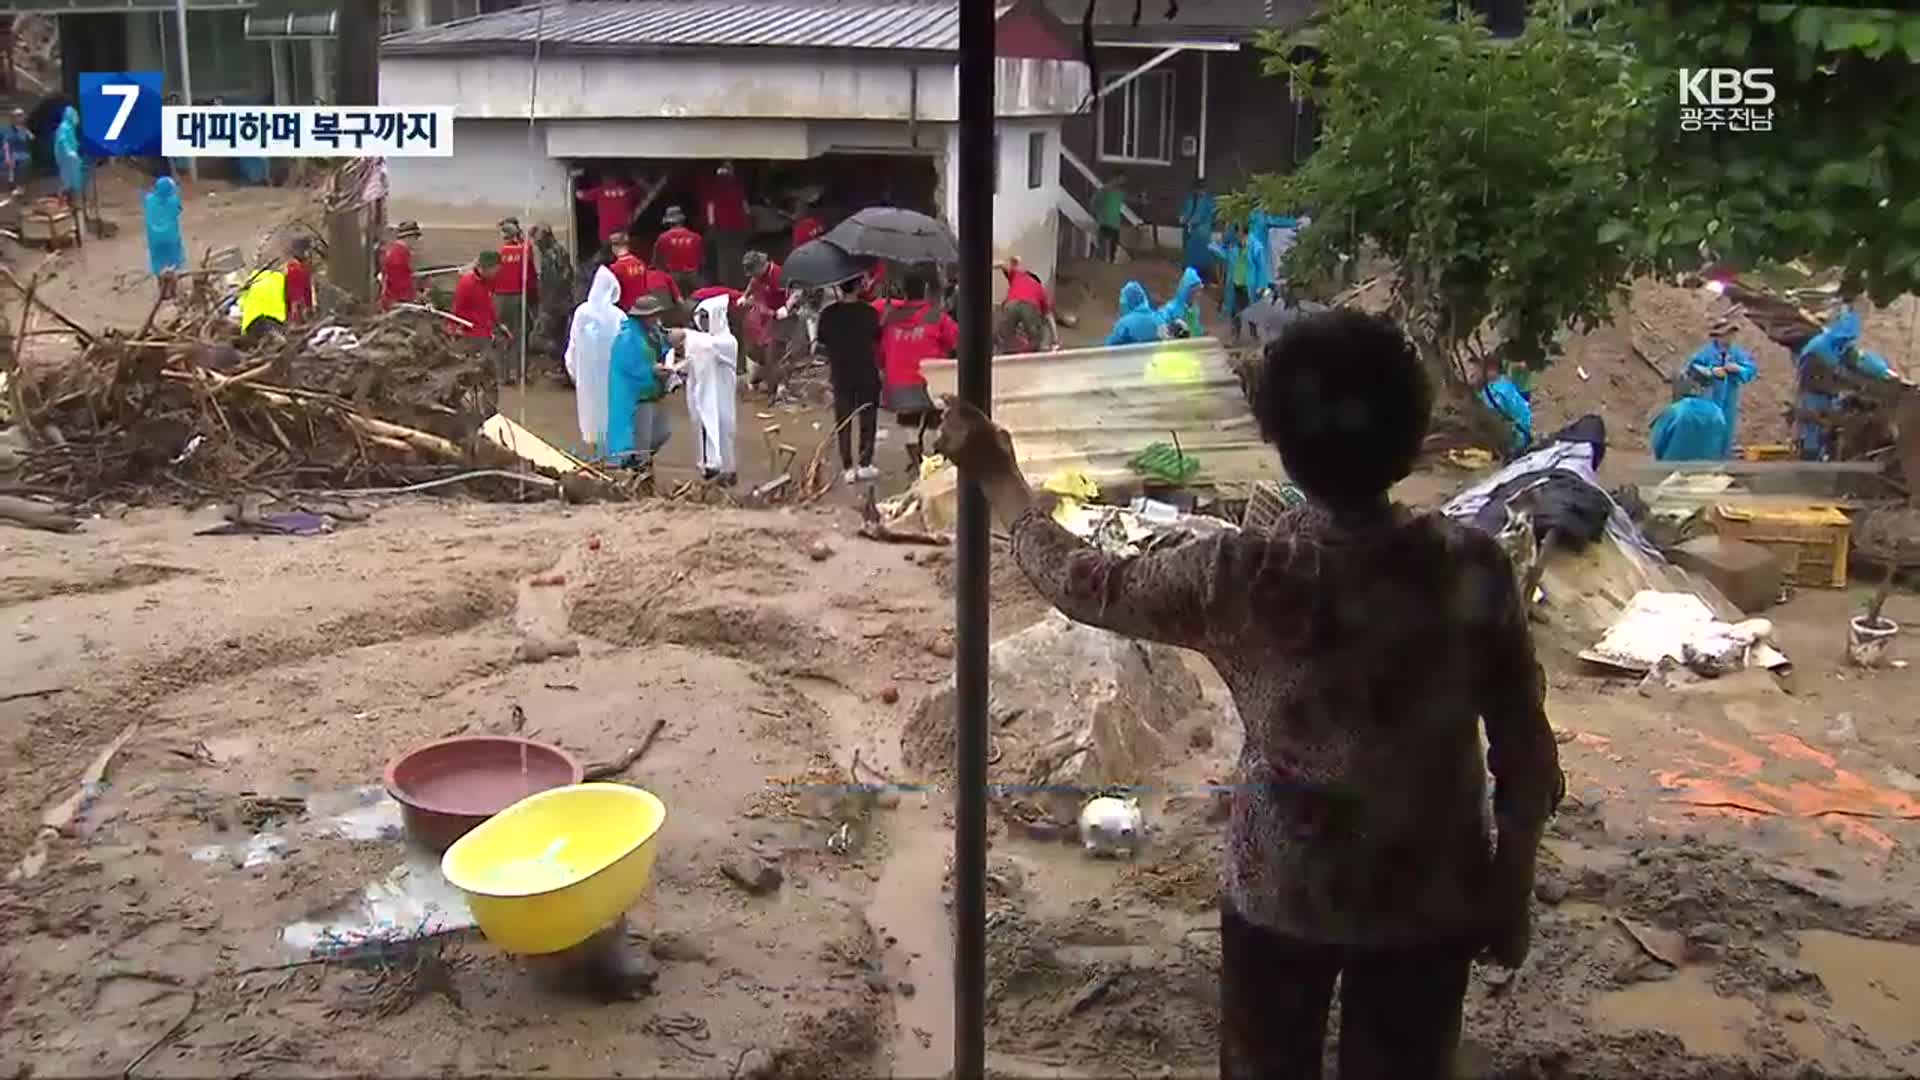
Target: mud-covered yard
1673, 938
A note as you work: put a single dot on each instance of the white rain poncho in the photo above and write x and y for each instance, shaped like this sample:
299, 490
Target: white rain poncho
713, 365
590, 353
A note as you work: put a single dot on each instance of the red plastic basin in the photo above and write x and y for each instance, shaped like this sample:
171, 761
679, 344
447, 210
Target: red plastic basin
447, 788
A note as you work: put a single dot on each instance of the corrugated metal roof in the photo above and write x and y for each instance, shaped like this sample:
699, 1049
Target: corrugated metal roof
1225, 20
618, 26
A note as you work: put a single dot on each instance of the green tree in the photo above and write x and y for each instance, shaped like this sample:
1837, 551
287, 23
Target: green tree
1837, 178
1483, 169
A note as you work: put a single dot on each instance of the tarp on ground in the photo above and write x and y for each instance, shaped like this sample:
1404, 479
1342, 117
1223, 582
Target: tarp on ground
1090, 410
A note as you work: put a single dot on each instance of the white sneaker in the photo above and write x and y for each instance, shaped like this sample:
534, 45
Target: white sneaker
850, 476
866, 472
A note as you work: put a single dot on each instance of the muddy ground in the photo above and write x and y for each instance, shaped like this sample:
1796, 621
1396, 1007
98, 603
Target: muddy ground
1674, 939
1727, 892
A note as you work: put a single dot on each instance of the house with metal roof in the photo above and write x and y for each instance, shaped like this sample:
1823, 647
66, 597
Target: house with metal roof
1183, 102
855, 101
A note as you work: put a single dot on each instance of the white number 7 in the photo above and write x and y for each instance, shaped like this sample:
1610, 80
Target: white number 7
128, 93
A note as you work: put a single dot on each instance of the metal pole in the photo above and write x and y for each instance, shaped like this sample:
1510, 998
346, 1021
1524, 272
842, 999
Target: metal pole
1203, 114
186, 76
977, 170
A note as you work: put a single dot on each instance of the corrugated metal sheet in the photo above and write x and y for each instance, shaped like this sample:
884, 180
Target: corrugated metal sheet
1196, 20
1091, 410
617, 26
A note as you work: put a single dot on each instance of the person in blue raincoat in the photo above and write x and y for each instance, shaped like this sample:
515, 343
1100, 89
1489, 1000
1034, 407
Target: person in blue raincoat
1180, 316
1838, 346
1498, 393
1692, 428
1137, 323
166, 252
1196, 218
636, 422
1244, 274
1723, 368
66, 154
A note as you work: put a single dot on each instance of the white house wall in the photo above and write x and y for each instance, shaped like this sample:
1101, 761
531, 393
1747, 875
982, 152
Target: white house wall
457, 200
740, 86
1025, 219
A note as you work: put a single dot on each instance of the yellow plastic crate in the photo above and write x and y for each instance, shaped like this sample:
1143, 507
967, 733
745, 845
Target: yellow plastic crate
1767, 452
1811, 540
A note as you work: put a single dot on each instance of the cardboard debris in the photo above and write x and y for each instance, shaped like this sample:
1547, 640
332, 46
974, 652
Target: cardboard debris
529, 447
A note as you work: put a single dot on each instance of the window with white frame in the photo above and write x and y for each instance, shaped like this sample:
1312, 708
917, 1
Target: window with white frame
1136, 120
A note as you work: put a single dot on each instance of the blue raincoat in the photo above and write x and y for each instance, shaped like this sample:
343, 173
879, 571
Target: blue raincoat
66, 153
165, 250
1196, 216
1834, 347
1505, 398
633, 377
1182, 309
1724, 390
1137, 323
1243, 248
1691, 429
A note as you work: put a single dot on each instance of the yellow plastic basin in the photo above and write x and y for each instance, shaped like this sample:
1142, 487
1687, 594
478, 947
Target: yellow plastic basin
555, 868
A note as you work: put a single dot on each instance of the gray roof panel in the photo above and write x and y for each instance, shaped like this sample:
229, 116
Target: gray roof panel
620, 26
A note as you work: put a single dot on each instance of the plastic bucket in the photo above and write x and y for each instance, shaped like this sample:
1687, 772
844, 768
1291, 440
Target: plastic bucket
1867, 640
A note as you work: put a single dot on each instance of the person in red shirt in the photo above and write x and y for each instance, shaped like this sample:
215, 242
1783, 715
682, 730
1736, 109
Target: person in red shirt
761, 329
613, 199
517, 283
680, 250
723, 212
396, 268
474, 323
913, 331
1026, 315
628, 270
299, 280
807, 226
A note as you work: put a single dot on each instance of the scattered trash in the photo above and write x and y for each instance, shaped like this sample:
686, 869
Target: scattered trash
1166, 463
1072, 484
186, 451
409, 903
61, 817
289, 523
334, 338
1110, 826
1680, 626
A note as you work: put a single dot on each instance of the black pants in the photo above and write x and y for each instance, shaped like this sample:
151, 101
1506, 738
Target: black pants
1109, 242
866, 398
1399, 1007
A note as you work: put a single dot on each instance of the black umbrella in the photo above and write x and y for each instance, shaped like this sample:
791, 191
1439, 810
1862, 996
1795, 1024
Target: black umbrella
817, 262
888, 232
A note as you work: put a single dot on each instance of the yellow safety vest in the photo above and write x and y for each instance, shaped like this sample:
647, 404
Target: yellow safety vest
265, 295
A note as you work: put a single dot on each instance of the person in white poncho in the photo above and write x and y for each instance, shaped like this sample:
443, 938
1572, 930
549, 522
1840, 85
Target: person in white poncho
712, 355
590, 355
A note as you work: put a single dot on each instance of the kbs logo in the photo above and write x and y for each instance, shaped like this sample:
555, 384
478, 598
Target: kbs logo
1729, 99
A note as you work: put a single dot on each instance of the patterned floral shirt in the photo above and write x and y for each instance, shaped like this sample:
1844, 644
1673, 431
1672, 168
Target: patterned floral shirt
1362, 661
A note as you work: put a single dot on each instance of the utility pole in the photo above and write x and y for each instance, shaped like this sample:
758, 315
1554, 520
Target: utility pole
351, 233
186, 76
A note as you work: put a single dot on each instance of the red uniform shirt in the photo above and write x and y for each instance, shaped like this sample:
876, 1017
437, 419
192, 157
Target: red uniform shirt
807, 228
910, 336
396, 275
631, 273
765, 289
299, 290
723, 203
613, 203
658, 280
679, 250
472, 301
1024, 287
517, 273
708, 292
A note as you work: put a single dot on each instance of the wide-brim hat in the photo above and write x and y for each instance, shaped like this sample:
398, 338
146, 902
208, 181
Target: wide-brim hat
674, 216
407, 230
648, 306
